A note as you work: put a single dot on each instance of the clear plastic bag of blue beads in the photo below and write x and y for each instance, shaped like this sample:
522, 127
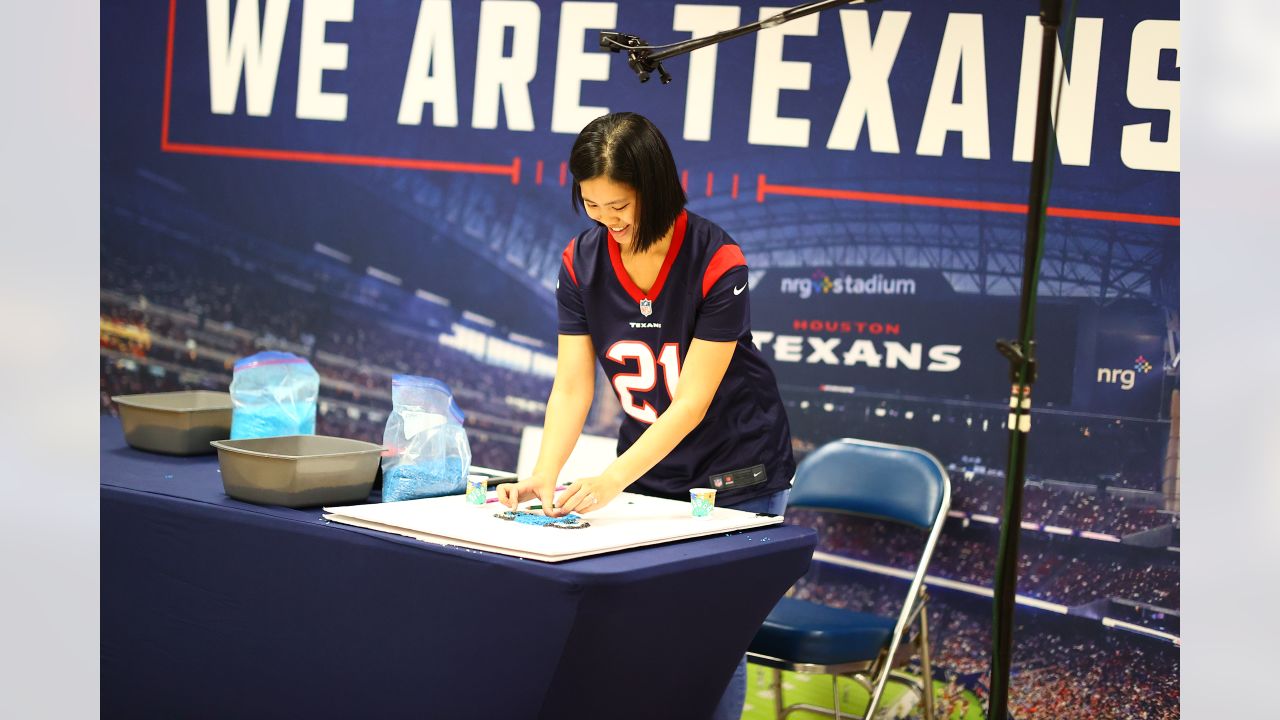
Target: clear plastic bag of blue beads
273, 394
428, 453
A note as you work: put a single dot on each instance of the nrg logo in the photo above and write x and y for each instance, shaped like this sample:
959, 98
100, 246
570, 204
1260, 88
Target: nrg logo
1125, 376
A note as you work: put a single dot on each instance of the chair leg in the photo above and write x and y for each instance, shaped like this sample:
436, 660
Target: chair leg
925, 666
777, 694
835, 696
878, 682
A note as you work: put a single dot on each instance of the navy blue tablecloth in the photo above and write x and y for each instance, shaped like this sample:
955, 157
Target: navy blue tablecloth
215, 608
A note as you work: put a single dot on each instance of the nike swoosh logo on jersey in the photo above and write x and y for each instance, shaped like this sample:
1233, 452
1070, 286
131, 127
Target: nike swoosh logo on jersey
738, 290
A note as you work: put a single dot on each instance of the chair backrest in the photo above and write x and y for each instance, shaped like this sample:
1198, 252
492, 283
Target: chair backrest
876, 480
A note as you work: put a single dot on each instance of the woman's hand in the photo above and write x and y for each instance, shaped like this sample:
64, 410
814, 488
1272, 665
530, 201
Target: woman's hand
535, 486
586, 495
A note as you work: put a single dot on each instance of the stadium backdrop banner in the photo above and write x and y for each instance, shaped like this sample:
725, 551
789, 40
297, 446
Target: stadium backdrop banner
381, 186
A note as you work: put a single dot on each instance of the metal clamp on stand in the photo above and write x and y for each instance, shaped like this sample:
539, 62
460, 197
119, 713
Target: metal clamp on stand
1022, 374
638, 54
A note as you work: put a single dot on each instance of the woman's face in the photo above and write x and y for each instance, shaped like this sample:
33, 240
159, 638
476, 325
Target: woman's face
612, 204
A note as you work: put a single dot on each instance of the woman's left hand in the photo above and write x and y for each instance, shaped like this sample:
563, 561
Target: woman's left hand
587, 495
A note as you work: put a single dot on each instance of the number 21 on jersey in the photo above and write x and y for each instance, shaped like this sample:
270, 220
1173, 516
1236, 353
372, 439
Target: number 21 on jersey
627, 384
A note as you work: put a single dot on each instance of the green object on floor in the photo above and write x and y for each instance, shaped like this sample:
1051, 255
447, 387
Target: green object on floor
816, 690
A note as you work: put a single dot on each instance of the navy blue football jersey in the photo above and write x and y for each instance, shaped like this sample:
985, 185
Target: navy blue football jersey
743, 445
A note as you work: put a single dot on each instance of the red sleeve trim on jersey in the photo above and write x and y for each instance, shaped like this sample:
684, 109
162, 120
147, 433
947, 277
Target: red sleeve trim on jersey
567, 257
726, 258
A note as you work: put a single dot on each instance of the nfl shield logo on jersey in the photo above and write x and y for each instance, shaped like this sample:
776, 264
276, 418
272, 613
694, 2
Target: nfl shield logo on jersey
646, 307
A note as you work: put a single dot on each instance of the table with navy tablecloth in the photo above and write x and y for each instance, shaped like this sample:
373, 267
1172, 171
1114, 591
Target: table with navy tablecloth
216, 608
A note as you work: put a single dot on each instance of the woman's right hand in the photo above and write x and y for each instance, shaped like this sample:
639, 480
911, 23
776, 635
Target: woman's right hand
537, 486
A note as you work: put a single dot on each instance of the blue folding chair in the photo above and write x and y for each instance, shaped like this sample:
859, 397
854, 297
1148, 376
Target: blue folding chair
878, 481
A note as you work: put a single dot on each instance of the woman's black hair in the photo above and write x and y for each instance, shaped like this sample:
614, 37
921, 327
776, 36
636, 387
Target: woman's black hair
628, 148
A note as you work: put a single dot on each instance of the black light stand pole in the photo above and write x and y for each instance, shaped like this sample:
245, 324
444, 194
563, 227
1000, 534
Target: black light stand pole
1022, 372
645, 59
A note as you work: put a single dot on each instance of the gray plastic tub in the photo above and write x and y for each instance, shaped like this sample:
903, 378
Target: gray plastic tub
298, 470
175, 423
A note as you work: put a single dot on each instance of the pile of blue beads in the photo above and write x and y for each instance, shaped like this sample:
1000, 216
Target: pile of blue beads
272, 421
572, 520
427, 478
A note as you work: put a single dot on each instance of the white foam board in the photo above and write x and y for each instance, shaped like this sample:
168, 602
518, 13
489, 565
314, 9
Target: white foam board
629, 521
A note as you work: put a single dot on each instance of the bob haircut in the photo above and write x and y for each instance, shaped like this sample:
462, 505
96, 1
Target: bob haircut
628, 148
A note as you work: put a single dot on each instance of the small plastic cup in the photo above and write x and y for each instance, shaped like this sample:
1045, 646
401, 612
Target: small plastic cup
703, 501
477, 489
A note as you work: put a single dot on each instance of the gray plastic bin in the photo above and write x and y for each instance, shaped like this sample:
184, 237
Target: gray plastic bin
175, 423
298, 470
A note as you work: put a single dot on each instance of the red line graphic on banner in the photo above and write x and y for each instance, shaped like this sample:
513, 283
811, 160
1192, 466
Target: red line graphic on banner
764, 188
168, 76
512, 170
